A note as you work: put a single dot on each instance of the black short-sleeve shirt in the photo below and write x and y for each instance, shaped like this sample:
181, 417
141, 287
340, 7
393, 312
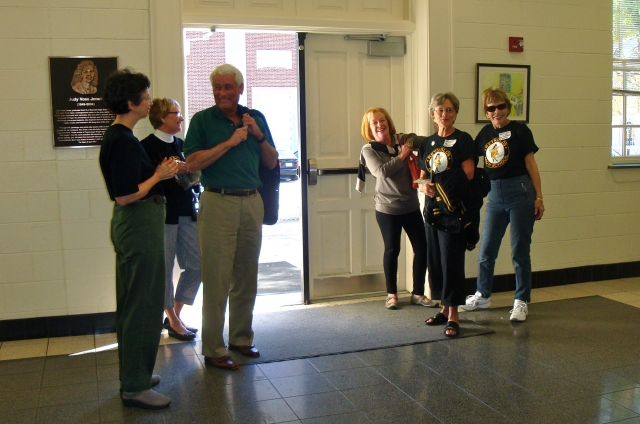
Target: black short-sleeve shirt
439, 154
504, 149
179, 201
124, 163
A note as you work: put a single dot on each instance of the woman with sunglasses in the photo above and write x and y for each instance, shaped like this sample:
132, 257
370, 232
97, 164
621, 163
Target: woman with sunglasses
515, 198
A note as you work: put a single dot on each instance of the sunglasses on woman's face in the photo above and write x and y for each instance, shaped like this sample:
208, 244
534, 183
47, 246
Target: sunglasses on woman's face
501, 106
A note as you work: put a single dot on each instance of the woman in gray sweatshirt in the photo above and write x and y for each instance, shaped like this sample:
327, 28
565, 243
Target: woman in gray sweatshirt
397, 204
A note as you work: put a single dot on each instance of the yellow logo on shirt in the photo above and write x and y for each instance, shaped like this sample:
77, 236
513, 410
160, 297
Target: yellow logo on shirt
496, 153
439, 160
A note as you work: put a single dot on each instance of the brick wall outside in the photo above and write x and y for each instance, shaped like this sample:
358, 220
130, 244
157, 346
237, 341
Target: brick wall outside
270, 77
205, 53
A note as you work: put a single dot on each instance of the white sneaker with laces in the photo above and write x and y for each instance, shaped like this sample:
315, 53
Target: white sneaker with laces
520, 311
476, 301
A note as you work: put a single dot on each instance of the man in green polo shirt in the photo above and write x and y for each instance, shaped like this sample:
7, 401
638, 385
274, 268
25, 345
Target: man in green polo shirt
228, 144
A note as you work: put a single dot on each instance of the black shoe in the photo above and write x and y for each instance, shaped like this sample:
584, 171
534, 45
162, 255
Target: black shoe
186, 337
166, 325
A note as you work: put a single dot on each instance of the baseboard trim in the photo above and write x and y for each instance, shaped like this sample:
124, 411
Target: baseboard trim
57, 326
561, 277
80, 325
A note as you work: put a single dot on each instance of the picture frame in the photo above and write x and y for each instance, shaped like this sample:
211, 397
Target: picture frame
78, 112
515, 80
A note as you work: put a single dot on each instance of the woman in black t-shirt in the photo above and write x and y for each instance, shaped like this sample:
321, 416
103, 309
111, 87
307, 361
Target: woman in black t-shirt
515, 198
137, 234
448, 158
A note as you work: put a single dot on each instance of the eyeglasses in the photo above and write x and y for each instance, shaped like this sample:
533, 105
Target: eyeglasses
501, 106
178, 114
441, 110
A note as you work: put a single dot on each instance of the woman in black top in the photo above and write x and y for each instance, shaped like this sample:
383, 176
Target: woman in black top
448, 159
515, 198
180, 230
137, 234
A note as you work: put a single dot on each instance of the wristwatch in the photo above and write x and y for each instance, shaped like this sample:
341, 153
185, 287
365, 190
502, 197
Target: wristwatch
262, 139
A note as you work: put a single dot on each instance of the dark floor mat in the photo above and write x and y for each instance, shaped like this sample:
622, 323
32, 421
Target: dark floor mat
316, 331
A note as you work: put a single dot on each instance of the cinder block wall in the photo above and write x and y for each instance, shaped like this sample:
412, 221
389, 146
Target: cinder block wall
55, 254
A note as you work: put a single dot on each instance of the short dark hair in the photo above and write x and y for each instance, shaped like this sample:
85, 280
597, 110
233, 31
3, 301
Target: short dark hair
122, 86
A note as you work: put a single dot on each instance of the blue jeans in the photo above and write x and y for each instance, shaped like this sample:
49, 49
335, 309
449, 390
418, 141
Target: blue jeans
510, 201
181, 241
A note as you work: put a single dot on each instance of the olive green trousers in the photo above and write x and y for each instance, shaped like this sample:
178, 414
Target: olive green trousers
137, 234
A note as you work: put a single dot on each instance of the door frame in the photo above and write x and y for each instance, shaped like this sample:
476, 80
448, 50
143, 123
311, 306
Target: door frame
304, 167
408, 120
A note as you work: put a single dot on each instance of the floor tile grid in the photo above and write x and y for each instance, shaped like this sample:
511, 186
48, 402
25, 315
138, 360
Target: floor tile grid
567, 399
623, 290
569, 369
254, 383
306, 406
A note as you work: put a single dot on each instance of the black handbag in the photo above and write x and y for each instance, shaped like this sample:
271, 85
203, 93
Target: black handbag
270, 190
270, 193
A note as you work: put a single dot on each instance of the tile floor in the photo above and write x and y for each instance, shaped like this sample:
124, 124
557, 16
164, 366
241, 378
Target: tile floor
576, 361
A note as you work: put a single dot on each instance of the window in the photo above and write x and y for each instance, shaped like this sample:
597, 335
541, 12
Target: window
625, 115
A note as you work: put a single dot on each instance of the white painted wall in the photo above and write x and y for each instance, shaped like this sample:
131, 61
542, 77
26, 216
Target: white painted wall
55, 254
592, 212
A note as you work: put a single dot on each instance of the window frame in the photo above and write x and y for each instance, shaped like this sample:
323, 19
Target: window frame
624, 66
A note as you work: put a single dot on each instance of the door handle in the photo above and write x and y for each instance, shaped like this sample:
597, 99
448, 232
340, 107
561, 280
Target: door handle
338, 171
313, 172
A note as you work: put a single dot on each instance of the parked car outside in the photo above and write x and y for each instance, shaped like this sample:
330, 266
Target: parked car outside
289, 165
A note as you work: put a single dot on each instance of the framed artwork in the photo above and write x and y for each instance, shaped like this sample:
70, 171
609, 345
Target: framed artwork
78, 112
513, 79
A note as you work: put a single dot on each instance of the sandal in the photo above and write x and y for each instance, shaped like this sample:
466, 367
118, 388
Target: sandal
438, 319
452, 326
392, 302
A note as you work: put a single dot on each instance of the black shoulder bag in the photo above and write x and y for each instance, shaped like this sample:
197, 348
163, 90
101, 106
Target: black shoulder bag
270, 190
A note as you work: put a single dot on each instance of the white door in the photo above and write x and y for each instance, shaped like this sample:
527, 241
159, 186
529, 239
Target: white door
344, 243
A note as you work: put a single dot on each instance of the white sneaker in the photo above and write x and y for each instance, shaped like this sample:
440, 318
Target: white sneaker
520, 311
476, 302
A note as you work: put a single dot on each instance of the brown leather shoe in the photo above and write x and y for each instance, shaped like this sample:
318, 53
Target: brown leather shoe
249, 351
224, 362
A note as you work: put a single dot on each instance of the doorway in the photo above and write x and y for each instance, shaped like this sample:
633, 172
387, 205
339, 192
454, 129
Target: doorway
332, 239
268, 61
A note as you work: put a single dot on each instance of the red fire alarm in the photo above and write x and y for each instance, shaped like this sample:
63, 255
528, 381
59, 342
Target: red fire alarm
516, 44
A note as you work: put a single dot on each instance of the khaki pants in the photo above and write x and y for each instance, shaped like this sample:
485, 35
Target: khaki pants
230, 234
137, 234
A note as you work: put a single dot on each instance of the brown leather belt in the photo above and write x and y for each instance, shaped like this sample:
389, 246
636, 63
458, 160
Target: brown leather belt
158, 199
232, 192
